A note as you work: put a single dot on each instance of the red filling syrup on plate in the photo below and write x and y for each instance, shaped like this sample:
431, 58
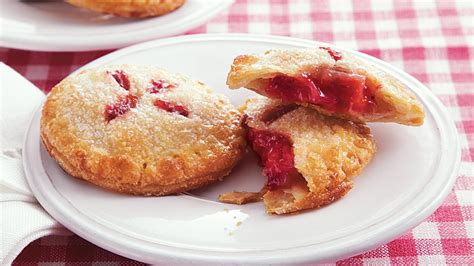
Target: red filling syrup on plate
172, 107
160, 86
122, 79
331, 89
276, 157
121, 107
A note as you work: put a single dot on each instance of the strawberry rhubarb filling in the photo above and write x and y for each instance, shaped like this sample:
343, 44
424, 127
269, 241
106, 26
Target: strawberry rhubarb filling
121, 107
333, 53
276, 157
172, 107
160, 86
122, 79
330, 89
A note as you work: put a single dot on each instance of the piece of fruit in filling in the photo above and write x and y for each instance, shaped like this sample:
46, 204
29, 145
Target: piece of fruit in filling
122, 78
159, 86
121, 107
333, 53
331, 89
275, 150
172, 107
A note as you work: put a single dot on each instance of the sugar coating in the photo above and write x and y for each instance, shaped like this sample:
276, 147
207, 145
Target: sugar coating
394, 102
147, 150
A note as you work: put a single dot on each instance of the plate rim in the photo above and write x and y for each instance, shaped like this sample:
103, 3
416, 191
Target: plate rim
299, 254
48, 43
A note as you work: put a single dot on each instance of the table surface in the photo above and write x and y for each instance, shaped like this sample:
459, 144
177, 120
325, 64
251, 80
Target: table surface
431, 40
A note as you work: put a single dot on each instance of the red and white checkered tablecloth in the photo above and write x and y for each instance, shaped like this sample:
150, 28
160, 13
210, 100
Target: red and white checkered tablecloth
432, 40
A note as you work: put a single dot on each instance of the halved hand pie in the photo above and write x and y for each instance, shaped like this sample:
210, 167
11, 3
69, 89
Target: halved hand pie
332, 82
141, 130
308, 158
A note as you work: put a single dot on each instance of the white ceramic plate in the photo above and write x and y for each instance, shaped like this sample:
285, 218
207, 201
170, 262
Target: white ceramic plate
58, 26
412, 172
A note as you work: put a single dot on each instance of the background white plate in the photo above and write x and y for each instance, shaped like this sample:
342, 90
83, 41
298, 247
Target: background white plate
58, 26
411, 174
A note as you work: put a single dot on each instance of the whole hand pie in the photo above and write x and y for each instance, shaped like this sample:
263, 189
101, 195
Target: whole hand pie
130, 8
141, 130
332, 82
308, 158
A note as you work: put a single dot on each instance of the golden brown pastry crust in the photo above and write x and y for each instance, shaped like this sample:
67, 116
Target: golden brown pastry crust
147, 150
328, 152
394, 102
130, 8
242, 197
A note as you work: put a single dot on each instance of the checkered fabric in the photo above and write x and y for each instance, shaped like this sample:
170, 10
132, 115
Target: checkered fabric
431, 40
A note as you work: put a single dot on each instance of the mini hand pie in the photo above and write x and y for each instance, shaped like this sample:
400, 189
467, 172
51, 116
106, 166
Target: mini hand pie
141, 130
332, 82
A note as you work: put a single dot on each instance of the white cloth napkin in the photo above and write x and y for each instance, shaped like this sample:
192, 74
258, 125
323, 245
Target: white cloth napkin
22, 218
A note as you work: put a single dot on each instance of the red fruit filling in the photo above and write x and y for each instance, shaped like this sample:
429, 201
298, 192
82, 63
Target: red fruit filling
122, 79
159, 86
297, 89
334, 54
276, 156
331, 89
122, 106
272, 114
172, 107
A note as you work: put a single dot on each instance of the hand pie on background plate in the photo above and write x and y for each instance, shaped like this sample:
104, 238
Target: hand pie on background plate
309, 158
332, 82
141, 130
130, 8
